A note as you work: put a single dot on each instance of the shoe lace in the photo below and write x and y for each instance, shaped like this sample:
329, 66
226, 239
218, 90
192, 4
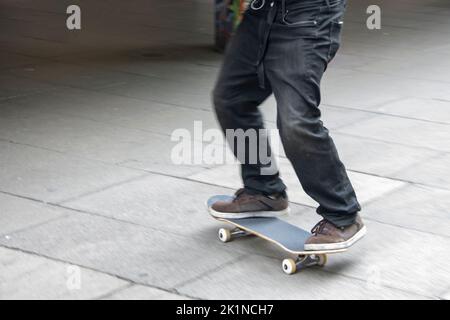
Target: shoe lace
319, 227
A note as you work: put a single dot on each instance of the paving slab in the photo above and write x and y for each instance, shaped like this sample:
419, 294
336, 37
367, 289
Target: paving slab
10, 60
81, 106
406, 131
355, 90
434, 171
19, 213
136, 202
52, 176
72, 75
426, 69
256, 277
401, 258
416, 207
389, 256
12, 86
91, 139
379, 157
174, 210
29, 276
113, 109
142, 255
182, 65
164, 91
419, 108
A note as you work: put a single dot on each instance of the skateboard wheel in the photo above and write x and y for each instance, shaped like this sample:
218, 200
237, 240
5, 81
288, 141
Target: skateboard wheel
289, 266
322, 260
224, 235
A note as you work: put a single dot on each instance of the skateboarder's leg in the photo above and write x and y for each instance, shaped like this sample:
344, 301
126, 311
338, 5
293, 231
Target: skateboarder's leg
297, 56
238, 94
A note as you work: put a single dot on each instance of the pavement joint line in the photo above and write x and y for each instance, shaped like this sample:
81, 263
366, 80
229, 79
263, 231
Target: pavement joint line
400, 180
129, 222
98, 89
8, 98
391, 142
248, 257
387, 114
167, 135
94, 214
61, 203
30, 94
209, 110
35, 146
104, 188
118, 164
405, 185
242, 253
23, 197
85, 212
145, 226
36, 225
407, 228
114, 291
82, 64
178, 286
88, 159
438, 157
174, 290
106, 122
397, 76
382, 285
2, 245
441, 152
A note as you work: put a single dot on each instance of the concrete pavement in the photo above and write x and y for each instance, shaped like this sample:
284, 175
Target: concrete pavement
92, 207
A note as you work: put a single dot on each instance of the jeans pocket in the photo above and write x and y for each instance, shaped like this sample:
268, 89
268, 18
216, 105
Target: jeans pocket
335, 38
300, 17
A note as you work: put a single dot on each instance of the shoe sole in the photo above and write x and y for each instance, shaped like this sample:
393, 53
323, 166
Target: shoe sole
243, 215
339, 245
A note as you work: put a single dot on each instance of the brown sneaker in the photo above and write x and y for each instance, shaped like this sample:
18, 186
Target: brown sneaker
326, 236
246, 205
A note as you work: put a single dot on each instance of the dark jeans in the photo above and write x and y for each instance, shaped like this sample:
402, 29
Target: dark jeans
284, 48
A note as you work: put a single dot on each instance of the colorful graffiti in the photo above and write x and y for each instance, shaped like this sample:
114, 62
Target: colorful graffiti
228, 15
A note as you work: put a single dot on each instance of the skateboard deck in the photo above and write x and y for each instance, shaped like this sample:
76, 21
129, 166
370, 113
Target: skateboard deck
288, 237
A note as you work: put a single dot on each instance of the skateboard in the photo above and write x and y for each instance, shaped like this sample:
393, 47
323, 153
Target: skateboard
288, 237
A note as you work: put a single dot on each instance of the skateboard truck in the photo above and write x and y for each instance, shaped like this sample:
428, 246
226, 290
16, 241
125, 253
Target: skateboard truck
289, 265
226, 235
